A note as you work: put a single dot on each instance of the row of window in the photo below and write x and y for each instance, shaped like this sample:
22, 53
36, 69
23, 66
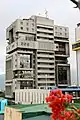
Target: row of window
27, 29
61, 28
27, 23
60, 33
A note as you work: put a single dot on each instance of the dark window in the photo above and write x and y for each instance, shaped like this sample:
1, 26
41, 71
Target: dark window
21, 28
21, 23
11, 36
27, 23
32, 24
32, 29
26, 38
27, 29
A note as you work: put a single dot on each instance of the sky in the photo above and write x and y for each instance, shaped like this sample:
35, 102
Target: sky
61, 11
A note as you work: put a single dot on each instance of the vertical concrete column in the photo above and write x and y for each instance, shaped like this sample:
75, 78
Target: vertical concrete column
67, 48
68, 76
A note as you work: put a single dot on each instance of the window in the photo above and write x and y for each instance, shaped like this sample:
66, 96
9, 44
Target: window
65, 29
55, 27
60, 33
32, 24
15, 65
27, 29
21, 43
26, 38
65, 34
15, 60
24, 44
21, 28
21, 23
32, 29
27, 23
56, 46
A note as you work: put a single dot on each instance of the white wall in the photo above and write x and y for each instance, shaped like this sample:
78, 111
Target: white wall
78, 66
26, 96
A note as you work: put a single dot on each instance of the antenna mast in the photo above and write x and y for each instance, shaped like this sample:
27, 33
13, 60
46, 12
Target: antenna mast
46, 13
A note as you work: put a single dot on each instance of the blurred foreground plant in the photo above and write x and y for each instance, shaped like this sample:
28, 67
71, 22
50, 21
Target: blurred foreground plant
62, 107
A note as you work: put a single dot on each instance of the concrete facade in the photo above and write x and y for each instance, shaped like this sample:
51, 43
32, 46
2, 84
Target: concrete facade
36, 51
62, 68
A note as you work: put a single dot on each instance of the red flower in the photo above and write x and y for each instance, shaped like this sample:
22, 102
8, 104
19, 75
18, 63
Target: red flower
58, 102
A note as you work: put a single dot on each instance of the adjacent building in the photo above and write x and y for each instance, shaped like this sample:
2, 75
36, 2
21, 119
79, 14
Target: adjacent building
37, 55
62, 68
76, 47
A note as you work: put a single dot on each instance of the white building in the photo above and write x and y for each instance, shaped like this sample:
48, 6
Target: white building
37, 55
76, 47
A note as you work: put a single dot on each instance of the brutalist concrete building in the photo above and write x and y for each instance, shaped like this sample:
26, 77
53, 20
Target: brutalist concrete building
37, 53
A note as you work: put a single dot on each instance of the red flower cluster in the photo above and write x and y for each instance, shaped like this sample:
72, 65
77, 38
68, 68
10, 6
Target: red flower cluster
58, 102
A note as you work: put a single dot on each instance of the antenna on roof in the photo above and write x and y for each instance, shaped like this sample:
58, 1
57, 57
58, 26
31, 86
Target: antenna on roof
39, 14
46, 13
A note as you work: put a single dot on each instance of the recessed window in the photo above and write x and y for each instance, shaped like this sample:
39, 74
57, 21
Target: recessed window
27, 23
65, 33
24, 44
55, 27
65, 29
60, 33
32, 29
21, 23
56, 46
16, 60
27, 29
26, 38
21, 28
15, 65
21, 43
32, 24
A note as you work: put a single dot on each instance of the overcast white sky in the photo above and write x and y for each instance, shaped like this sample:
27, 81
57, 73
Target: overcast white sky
61, 11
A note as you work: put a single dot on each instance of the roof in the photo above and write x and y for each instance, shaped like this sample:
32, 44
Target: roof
43, 117
70, 89
32, 108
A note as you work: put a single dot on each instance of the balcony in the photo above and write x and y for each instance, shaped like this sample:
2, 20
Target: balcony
45, 56
45, 71
44, 30
61, 55
45, 66
44, 76
44, 82
45, 61
62, 40
44, 35
24, 79
11, 47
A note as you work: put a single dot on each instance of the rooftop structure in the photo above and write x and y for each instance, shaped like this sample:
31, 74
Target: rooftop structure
28, 112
